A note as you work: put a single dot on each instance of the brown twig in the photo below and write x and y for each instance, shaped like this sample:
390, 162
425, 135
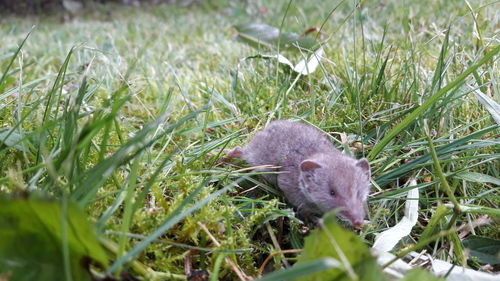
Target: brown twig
248, 190
415, 259
256, 167
241, 275
187, 264
320, 32
470, 226
275, 242
282, 252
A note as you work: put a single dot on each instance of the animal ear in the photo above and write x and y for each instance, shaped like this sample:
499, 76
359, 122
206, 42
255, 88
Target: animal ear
309, 165
365, 166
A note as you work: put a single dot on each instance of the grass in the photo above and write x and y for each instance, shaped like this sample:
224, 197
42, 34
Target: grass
124, 110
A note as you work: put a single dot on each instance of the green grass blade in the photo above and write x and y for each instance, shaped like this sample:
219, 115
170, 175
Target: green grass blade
301, 270
129, 204
6, 71
440, 67
433, 226
176, 216
88, 183
429, 102
452, 147
58, 85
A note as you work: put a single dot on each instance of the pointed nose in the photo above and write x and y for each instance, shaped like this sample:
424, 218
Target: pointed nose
358, 224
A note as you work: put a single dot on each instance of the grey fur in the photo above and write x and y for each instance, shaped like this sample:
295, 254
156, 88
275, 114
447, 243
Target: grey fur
311, 169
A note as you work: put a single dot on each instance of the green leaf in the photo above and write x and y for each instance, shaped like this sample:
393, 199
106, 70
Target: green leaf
487, 250
32, 232
418, 274
302, 269
305, 66
12, 138
333, 241
478, 177
262, 35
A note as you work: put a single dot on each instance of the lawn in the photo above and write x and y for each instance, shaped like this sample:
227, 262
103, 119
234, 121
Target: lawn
113, 121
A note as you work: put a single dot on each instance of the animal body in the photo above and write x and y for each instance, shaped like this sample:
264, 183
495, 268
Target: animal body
314, 176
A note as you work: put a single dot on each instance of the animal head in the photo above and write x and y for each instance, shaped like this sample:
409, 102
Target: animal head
336, 181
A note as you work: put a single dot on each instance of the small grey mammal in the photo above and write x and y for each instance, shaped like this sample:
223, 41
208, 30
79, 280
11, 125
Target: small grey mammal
315, 177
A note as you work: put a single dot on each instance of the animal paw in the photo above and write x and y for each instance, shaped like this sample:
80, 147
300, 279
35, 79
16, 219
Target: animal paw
236, 152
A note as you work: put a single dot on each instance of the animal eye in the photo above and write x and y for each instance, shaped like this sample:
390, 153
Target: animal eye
332, 193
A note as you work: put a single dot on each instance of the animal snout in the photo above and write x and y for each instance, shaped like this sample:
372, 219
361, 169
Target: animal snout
358, 224
354, 217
